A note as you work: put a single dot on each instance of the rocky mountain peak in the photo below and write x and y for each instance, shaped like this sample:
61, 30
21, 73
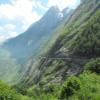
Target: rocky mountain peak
53, 13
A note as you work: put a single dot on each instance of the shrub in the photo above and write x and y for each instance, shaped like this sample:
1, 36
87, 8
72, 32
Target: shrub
7, 93
93, 65
70, 87
90, 87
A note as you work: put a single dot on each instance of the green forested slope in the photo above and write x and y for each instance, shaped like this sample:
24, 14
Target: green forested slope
86, 41
79, 44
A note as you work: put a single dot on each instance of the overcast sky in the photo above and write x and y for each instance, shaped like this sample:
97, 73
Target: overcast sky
17, 15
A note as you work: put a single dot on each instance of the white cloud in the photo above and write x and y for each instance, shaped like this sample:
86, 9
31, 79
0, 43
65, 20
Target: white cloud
4, 37
12, 34
40, 5
24, 12
9, 27
19, 9
63, 3
7, 31
1, 28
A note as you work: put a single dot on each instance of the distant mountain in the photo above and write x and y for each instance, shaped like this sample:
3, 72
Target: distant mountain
30, 42
27, 42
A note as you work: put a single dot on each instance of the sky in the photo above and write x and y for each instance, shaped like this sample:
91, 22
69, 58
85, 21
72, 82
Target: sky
17, 15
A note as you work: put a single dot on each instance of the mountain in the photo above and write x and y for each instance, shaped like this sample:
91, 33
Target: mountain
78, 41
30, 43
67, 66
70, 67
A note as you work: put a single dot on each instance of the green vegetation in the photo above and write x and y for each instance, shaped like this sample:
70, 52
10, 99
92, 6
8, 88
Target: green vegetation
70, 87
93, 65
84, 87
86, 40
8, 93
90, 87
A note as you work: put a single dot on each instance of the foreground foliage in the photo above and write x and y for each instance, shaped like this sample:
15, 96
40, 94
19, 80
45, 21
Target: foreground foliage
8, 93
84, 87
93, 65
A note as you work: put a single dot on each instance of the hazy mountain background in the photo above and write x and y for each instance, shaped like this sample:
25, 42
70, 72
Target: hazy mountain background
30, 43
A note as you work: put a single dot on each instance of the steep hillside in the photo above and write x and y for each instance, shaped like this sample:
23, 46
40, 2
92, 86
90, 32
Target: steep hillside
77, 44
69, 69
